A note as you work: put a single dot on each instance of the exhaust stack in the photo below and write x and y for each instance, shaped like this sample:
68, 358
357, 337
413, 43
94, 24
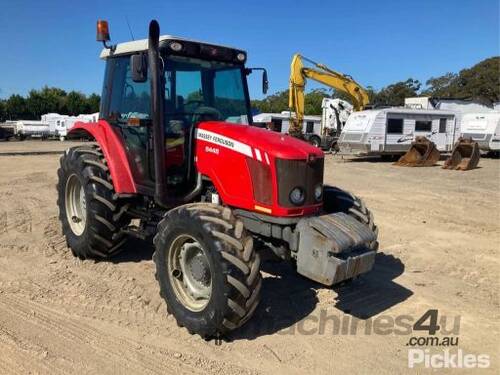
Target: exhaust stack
157, 113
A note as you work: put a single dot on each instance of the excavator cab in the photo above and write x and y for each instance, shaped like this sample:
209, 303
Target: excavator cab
464, 156
422, 153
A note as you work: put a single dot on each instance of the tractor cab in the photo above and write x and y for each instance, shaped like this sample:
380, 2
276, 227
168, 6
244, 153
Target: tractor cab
199, 82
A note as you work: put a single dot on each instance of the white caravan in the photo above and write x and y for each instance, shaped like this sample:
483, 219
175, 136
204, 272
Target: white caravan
59, 125
280, 122
55, 121
67, 123
484, 128
320, 131
391, 130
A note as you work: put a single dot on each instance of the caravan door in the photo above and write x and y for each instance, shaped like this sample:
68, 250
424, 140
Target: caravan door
443, 138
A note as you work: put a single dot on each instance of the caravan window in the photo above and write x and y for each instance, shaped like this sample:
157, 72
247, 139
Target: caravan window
310, 127
442, 125
395, 126
276, 125
423, 126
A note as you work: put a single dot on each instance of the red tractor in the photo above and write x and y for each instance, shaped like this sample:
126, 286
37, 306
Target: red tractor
175, 156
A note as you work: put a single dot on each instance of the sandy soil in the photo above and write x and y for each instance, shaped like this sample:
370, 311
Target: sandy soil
439, 236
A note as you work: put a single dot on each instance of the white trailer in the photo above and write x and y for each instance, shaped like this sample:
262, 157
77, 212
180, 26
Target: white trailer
391, 130
32, 128
280, 122
484, 128
59, 125
320, 131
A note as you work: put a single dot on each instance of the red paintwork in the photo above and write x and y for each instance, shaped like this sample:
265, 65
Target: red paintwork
227, 168
229, 172
113, 149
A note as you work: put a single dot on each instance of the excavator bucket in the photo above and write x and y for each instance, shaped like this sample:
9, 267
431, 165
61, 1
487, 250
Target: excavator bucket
464, 156
422, 153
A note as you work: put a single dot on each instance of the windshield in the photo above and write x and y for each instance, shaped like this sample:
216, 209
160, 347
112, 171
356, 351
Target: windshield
200, 90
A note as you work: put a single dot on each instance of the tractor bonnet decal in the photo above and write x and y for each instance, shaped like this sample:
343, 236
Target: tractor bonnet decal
223, 141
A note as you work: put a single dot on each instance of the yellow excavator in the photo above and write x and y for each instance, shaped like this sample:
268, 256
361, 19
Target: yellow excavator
328, 77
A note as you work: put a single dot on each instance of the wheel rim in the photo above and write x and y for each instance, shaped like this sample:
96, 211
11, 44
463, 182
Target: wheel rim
189, 272
76, 205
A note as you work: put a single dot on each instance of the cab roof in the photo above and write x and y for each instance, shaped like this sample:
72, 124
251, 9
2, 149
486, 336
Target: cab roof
142, 45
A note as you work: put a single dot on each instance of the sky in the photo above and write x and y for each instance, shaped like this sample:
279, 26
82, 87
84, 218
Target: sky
378, 42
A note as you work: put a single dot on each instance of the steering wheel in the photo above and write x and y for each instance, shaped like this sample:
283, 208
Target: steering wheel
206, 114
200, 102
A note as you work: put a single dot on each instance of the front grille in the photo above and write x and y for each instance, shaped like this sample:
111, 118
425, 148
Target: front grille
293, 173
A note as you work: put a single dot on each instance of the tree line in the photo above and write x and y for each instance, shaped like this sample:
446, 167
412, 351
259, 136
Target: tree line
481, 82
47, 100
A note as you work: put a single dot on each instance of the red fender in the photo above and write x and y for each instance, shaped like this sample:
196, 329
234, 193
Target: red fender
114, 151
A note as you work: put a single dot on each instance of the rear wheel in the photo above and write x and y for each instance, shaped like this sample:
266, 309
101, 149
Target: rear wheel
338, 200
208, 271
91, 215
315, 141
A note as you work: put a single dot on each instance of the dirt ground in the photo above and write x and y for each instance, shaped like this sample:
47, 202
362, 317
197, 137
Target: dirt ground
439, 249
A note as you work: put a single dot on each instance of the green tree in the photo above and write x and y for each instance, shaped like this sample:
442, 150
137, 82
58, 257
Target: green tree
274, 103
15, 107
443, 86
312, 101
395, 94
3, 111
75, 103
93, 103
278, 102
480, 82
46, 100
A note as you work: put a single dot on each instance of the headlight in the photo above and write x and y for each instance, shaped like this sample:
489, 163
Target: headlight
318, 192
175, 46
297, 196
241, 56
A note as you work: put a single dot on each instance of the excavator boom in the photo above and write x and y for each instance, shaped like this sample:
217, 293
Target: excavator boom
322, 74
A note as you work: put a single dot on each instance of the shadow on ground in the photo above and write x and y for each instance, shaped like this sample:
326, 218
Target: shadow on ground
135, 250
374, 292
287, 298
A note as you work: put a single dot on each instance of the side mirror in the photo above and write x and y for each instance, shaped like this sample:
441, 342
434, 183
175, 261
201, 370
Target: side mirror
265, 82
139, 67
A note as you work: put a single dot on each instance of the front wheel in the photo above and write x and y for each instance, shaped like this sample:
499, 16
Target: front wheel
90, 214
338, 200
315, 141
208, 271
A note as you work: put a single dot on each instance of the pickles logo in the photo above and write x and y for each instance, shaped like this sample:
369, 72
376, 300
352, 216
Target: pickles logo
447, 359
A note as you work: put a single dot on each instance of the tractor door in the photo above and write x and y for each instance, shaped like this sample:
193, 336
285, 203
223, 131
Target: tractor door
127, 105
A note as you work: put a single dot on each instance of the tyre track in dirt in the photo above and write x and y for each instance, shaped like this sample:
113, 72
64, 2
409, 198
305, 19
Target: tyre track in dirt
108, 352
61, 315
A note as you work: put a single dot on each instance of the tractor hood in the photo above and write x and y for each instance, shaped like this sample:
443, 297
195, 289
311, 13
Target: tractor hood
279, 145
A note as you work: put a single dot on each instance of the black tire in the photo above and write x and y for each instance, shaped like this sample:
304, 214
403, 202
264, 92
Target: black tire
105, 214
234, 266
334, 147
338, 200
315, 141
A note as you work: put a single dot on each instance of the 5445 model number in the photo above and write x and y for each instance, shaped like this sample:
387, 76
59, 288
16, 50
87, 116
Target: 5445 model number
213, 150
